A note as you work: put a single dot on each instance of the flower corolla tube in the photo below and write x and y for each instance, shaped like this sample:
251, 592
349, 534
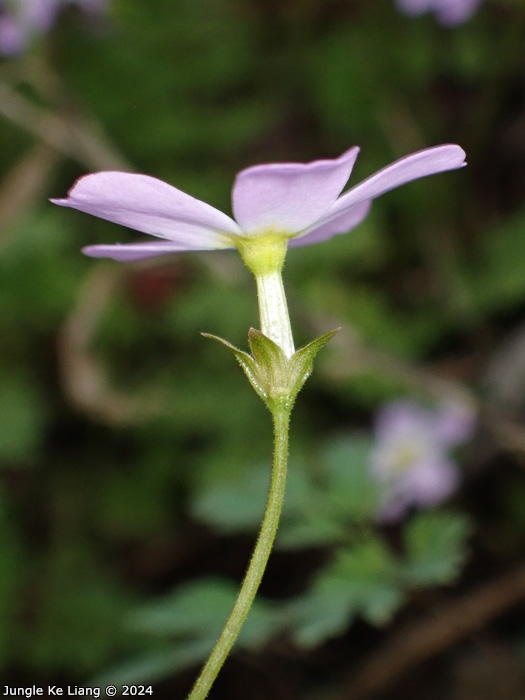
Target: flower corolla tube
293, 204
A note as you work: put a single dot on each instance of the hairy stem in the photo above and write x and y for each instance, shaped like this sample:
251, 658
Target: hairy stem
261, 553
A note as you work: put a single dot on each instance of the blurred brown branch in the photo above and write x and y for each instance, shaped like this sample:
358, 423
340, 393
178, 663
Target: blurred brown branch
444, 626
351, 356
84, 377
25, 182
76, 136
70, 134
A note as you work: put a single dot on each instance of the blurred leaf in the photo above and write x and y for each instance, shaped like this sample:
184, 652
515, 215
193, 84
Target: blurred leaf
318, 507
11, 583
338, 495
403, 333
195, 613
217, 307
373, 572
78, 625
38, 277
324, 612
371, 387
436, 547
237, 504
154, 666
363, 249
309, 529
199, 610
195, 109
135, 505
496, 280
351, 493
363, 580
23, 418
343, 72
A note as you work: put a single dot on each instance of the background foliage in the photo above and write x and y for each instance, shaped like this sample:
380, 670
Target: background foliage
133, 455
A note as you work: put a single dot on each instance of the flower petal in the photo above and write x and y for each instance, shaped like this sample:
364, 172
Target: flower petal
454, 422
427, 162
130, 252
12, 36
432, 481
151, 206
453, 12
448, 12
429, 484
399, 419
289, 197
341, 224
39, 15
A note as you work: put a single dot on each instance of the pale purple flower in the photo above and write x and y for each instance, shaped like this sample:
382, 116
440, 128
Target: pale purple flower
410, 460
294, 201
21, 20
448, 12
12, 38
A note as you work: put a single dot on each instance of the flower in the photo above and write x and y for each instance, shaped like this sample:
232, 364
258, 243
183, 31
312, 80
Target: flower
11, 35
23, 19
297, 203
275, 206
448, 12
410, 460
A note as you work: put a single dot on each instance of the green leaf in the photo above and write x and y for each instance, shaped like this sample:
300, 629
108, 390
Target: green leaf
436, 547
497, 280
22, 412
308, 530
339, 495
234, 505
301, 363
321, 613
351, 493
198, 610
237, 504
363, 580
193, 615
156, 665
372, 573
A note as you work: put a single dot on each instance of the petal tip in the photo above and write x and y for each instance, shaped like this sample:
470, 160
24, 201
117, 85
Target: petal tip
456, 153
92, 251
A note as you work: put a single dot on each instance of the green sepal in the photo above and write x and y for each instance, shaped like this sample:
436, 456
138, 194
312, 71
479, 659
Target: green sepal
247, 362
302, 362
276, 378
272, 365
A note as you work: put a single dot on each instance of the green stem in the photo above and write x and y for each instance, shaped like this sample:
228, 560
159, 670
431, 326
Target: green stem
260, 556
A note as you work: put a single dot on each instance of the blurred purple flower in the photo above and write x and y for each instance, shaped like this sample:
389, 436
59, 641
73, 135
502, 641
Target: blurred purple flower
410, 460
295, 201
12, 40
21, 20
448, 12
